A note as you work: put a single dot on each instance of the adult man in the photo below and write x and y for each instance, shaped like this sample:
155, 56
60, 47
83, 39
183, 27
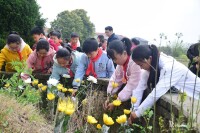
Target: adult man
110, 34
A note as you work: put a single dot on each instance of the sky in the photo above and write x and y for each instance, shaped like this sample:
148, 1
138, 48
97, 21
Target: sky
135, 18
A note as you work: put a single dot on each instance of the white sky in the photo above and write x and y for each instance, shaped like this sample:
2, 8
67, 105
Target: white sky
135, 18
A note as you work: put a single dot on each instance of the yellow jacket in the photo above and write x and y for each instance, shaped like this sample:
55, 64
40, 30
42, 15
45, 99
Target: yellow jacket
7, 56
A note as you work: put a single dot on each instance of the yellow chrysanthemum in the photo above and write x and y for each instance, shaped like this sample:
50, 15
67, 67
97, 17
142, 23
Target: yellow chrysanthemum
50, 96
84, 102
115, 85
7, 85
40, 85
59, 87
70, 90
64, 89
107, 120
35, 82
44, 88
77, 80
62, 105
117, 102
126, 111
133, 99
70, 107
121, 119
91, 119
99, 126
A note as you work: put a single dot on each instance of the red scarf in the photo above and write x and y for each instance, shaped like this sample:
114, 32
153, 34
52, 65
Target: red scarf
74, 46
90, 69
68, 66
125, 68
20, 55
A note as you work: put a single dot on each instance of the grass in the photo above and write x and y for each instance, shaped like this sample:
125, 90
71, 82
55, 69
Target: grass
16, 117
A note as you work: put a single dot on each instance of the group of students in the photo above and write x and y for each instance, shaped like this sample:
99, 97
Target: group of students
140, 68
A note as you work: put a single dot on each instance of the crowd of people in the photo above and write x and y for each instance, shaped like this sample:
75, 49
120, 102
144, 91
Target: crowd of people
137, 69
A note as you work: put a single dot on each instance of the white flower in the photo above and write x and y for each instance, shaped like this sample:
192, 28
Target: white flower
52, 81
74, 99
66, 76
20, 87
24, 76
28, 81
92, 79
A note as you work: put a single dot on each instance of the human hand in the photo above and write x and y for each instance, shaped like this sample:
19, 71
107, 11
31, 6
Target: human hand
132, 117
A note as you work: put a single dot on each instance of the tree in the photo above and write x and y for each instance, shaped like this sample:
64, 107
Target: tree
20, 16
74, 21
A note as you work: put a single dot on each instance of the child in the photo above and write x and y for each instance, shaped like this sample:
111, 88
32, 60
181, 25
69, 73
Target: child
41, 59
15, 50
65, 62
127, 72
37, 33
169, 73
56, 40
74, 42
94, 62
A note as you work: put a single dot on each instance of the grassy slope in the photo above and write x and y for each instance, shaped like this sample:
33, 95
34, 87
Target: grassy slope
15, 117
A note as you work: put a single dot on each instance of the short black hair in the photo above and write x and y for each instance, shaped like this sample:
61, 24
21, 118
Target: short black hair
135, 41
74, 34
42, 44
119, 47
13, 38
56, 33
110, 28
90, 45
37, 30
63, 53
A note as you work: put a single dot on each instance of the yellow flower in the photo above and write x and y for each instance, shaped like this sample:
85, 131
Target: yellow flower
107, 120
126, 111
91, 119
62, 105
35, 82
50, 96
77, 80
59, 87
70, 108
44, 88
64, 89
7, 85
40, 85
99, 126
121, 119
117, 102
84, 102
70, 90
133, 99
115, 85
83, 82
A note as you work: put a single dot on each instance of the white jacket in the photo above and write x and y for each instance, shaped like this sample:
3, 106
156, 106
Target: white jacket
182, 78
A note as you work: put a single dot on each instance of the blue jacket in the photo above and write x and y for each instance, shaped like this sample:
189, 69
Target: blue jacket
103, 67
59, 70
112, 37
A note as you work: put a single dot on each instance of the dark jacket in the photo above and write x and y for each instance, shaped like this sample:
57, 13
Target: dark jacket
192, 52
112, 37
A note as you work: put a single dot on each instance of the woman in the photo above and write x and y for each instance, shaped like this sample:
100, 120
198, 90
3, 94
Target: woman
15, 50
41, 60
162, 72
127, 72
